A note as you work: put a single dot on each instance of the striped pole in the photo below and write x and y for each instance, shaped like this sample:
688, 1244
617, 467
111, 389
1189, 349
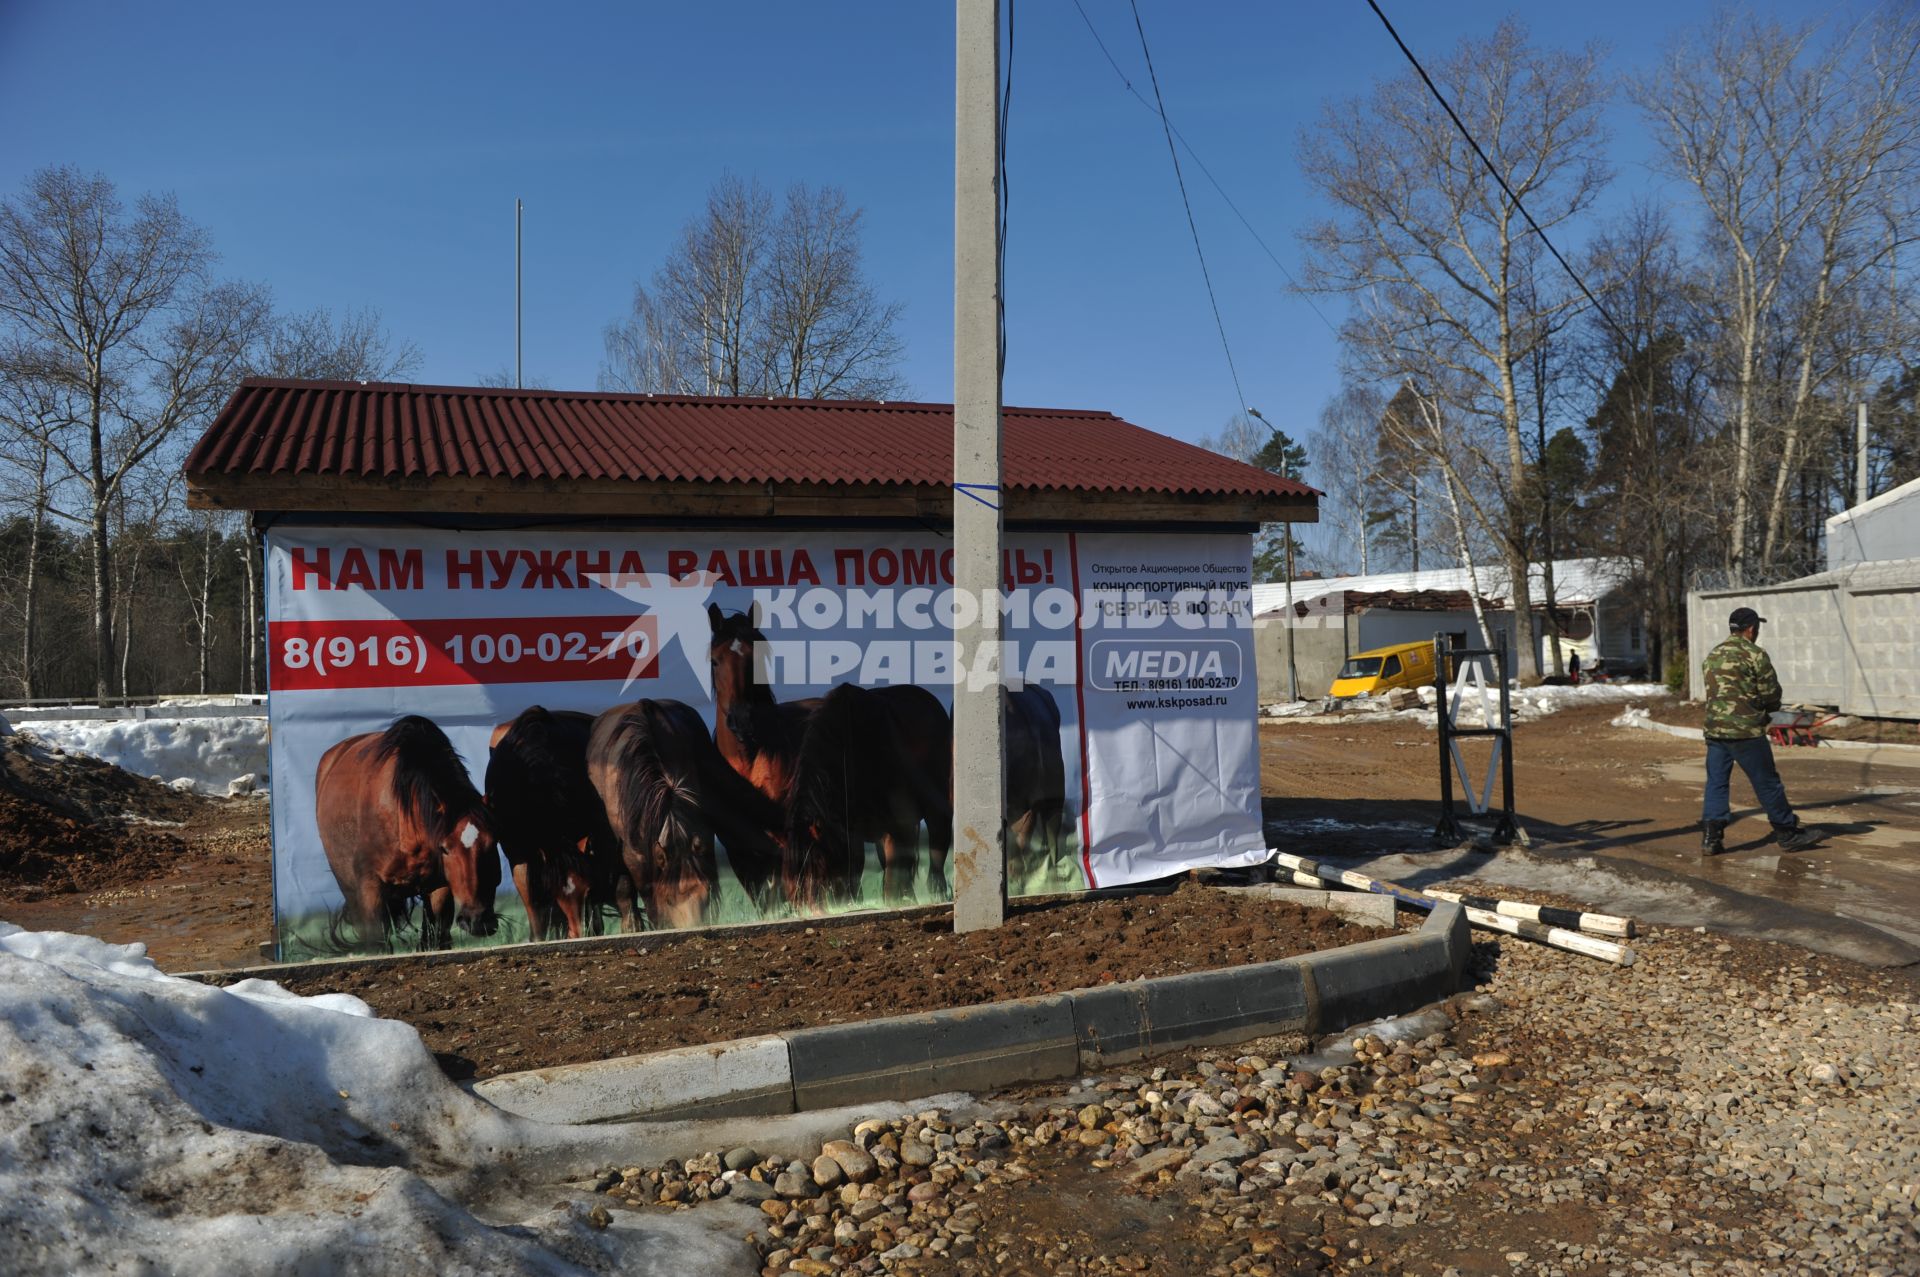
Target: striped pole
1309, 873
1603, 924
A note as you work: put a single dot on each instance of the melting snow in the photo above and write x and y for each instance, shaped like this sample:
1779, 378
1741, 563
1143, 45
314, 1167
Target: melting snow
1528, 703
152, 1124
207, 755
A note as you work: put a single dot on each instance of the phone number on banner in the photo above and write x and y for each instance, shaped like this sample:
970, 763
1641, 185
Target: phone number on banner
306, 655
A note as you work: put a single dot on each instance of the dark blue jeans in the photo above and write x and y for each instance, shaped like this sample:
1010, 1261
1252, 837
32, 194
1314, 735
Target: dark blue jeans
1755, 757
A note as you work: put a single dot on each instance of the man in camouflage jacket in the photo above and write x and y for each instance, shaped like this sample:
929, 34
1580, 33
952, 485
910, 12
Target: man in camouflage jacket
1742, 693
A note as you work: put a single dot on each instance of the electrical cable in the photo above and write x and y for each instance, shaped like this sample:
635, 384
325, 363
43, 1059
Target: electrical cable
1192, 228
1218, 188
1448, 108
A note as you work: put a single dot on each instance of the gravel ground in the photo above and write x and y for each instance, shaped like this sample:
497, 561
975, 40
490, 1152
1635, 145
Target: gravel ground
1720, 1107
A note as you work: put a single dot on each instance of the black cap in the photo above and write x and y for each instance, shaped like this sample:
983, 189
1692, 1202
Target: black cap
1744, 618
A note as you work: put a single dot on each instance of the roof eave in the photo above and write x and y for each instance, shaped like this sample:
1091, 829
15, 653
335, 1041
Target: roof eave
289, 493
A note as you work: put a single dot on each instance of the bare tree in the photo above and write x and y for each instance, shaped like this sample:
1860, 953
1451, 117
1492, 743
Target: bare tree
759, 301
503, 379
1355, 505
314, 346
195, 565
31, 414
119, 312
831, 336
1417, 422
1438, 251
1804, 159
141, 502
1658, 465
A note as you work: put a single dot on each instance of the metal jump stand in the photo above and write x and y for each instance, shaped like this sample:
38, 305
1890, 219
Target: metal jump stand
1446, 705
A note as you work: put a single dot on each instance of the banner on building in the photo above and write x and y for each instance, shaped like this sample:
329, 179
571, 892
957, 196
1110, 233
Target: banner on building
481, 736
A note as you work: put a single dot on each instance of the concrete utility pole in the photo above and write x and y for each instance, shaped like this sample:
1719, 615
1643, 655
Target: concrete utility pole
979, 748
1862, 487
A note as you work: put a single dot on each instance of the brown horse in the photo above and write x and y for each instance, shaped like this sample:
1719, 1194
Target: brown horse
757, 735
667, 792
400, 820
859, 778
763, 738
551, 824
1036, 796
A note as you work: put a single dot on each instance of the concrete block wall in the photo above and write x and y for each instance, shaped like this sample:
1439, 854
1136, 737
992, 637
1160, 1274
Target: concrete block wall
1834, 639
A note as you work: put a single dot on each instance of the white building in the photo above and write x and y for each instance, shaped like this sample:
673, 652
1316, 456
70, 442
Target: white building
1600, 616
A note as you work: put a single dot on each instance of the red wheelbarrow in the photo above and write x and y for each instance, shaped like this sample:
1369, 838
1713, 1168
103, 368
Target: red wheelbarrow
1798, 725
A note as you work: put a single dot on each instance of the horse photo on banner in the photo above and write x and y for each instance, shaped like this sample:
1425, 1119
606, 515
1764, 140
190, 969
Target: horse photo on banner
481, 736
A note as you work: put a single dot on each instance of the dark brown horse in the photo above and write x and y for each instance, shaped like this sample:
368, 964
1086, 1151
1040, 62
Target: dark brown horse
667, 793
551, 824
401, 821
763, 739
1036, 794
758, 735
859, 777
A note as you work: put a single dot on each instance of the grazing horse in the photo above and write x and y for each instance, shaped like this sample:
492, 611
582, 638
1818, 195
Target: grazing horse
551, 824
859, 777
667, 792
1036, 777
763, 738
400, 819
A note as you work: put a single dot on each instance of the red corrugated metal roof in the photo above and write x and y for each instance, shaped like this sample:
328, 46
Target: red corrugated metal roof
352, 429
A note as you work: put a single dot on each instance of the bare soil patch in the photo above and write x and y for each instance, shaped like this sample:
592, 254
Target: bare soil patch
70, 823
505, 1012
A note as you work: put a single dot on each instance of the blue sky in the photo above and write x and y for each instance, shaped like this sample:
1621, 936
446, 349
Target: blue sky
359, 154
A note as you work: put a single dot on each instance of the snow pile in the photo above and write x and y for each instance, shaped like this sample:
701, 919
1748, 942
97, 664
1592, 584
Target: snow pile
154, 1124
1530, 703
1527, 703
1340, 709
206, 755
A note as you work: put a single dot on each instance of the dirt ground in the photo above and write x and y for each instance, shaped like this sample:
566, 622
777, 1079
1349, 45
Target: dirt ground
199, 893
505, 1012
1584, 788
1587, 791
89, 848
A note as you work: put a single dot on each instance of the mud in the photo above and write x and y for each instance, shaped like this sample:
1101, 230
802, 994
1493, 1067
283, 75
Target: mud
505, 1012
69, 823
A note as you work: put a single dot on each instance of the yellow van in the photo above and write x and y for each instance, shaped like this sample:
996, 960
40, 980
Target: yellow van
1402, 665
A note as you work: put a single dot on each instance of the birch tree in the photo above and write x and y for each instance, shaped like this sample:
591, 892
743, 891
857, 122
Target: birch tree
313, 345
761, 300
1448, 269
31, 414
120, 312
1803, 158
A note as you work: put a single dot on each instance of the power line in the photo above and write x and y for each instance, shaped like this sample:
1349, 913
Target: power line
1218, 188
1193, 229
1448, 108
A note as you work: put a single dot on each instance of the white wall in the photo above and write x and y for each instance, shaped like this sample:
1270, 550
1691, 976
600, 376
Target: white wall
1885, 678
1887, 527
1848, 638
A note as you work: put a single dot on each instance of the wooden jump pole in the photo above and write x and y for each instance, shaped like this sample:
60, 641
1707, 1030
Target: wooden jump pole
1310, 873
1602, 924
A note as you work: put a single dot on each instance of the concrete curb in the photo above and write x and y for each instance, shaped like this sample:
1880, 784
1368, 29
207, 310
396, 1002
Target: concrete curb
1004, 1043
747, 1076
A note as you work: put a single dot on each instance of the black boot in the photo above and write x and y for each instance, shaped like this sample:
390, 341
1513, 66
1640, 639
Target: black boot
1797, 837
1710, 837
